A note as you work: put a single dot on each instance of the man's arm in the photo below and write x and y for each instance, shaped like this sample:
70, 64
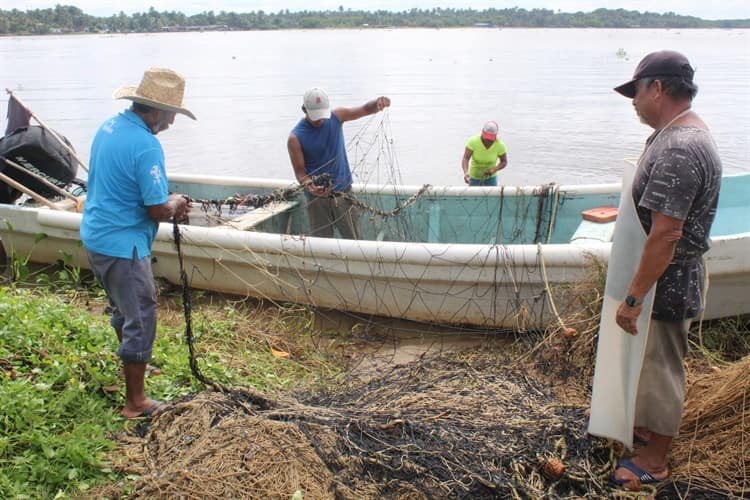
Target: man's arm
465, 163
176, 206
502, 161
297, 157
369, 108
658, 252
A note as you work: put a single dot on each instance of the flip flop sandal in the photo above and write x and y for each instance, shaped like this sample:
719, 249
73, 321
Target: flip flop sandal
156, 409
644, 476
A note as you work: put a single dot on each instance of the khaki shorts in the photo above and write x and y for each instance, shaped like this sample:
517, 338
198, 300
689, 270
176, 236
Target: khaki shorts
661, 387
327, 213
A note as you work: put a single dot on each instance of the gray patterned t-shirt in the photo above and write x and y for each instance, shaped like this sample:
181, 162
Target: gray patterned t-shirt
679, 175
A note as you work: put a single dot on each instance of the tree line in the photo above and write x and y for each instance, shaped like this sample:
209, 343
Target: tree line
71, 19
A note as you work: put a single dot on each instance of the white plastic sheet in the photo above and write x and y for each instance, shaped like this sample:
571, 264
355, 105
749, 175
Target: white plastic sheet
620, 355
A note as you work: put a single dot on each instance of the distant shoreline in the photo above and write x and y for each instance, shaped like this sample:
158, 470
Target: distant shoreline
499, 28
67, 19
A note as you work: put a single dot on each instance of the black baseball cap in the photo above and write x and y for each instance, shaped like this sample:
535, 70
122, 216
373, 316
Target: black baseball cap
661, 63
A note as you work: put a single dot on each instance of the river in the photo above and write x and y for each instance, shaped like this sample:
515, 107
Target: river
550, 90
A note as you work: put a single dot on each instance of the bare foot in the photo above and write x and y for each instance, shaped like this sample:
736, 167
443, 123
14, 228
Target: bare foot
150, 408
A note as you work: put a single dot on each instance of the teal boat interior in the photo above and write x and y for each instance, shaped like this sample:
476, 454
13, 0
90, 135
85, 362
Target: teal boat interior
505, 216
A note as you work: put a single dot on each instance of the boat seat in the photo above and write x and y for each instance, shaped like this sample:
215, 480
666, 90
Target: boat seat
593, 232
597, 226
254, 217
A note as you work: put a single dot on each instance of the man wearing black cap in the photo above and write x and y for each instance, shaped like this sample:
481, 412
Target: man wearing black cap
675, 192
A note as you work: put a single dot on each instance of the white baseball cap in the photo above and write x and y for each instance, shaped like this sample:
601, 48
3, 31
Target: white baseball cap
316, 104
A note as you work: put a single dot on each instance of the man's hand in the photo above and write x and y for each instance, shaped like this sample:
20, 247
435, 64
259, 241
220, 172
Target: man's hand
382, 102
627, 317
314, 189
181, 206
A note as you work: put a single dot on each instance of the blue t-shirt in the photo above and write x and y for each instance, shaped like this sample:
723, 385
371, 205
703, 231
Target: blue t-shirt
325, 151
126, 175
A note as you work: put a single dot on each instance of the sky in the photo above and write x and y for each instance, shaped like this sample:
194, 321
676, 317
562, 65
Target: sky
706, 9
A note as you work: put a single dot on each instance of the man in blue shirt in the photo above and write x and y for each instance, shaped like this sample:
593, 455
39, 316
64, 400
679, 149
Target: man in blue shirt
127, 198
316, 147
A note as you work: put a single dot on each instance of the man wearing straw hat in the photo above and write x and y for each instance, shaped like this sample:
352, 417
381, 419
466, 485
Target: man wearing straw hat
675, 192
318, 155
127, 198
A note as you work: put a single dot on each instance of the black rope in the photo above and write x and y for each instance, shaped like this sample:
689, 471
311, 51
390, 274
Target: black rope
261, 200
189, 338
240, 395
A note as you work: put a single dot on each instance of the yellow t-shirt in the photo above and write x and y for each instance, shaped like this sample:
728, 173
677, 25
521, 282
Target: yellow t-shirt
483, 158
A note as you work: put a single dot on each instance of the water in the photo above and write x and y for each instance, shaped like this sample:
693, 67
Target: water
550, 90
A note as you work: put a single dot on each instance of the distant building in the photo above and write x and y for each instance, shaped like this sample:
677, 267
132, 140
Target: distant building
209, 27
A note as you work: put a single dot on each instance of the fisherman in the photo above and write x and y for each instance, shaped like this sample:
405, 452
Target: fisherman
485, 155
317, 151
675, 192
127, 198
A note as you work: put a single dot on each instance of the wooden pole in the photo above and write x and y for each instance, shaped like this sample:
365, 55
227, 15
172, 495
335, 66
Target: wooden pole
41, 179
45, 127
41, 199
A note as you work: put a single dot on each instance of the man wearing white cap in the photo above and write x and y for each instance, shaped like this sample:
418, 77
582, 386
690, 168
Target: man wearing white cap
317, 151
127, 198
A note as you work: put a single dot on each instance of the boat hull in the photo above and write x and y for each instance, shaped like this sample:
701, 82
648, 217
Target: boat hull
518, 287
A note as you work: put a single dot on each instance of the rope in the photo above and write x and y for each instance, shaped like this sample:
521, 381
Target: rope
547, 287
556, 190
189, 338
391, 213
261, 200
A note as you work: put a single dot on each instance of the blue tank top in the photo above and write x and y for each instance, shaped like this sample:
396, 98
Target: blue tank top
324, 151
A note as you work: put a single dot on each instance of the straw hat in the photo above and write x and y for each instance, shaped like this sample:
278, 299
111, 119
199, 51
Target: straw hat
160, 88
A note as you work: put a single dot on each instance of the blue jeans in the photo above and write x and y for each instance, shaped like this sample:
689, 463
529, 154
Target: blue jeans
489, 181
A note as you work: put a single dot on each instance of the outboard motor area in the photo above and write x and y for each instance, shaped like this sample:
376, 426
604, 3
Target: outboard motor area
39, 155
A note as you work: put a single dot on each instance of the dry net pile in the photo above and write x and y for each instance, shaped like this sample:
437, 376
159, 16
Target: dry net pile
443, 427
712, 452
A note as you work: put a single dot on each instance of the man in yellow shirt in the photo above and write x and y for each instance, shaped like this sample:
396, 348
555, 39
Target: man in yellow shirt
487, 154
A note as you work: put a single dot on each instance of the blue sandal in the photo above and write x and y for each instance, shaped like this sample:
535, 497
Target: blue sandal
644, 476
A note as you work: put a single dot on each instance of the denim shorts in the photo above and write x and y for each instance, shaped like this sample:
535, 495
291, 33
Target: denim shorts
131, 291
489, 181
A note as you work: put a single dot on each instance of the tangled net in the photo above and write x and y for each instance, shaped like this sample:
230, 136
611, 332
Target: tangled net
443, 427
712, 451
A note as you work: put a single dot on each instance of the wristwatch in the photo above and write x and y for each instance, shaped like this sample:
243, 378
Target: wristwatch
631, 301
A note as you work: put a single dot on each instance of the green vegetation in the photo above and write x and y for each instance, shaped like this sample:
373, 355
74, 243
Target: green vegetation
70, 19
60, 390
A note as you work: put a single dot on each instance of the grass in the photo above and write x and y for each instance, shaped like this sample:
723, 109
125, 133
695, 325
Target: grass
56, 421
59, 387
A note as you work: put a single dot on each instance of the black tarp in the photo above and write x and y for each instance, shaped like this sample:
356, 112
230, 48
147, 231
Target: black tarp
36, 150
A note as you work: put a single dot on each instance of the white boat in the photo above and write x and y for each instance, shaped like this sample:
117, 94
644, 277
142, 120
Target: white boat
481, 257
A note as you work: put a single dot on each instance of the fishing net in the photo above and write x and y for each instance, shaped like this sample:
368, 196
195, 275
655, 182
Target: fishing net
712, 451
462, 426
478, 423
476, 258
